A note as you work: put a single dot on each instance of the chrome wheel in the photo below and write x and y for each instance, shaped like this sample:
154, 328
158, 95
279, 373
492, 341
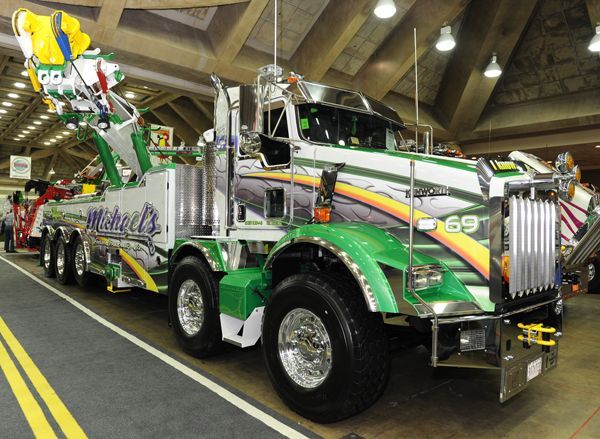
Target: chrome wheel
47, 253
592, 273
79, 260
60, 257
304, 348
190, 307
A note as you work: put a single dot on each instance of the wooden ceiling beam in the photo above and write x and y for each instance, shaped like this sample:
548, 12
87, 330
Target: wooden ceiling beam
190, 114
50, 165
231, 26
108, 19
22, 116
82, 154
489, 27
182, 130
593, 8
559, 112
205, 108
395, 57
158, 101
334, 29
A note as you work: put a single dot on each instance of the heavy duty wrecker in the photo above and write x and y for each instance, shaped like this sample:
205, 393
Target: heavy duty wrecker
308, 228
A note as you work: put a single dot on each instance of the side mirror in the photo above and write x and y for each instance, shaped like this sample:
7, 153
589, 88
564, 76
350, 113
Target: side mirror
327, 186
250, 110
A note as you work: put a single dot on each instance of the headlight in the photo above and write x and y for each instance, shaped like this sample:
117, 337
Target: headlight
427, 276
577, 173
565, 162
566, 189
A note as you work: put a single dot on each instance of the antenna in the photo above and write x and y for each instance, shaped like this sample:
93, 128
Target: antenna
275, 43
416, 93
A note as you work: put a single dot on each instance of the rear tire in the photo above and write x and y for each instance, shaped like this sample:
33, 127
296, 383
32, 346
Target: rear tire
62, 261
47, 256
326, 354
194, 308
79, 266
594, 283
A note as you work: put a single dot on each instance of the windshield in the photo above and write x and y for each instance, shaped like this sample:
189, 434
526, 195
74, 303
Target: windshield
324, 124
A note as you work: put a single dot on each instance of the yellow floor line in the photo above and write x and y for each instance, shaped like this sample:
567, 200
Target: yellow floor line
59, 411
31, 409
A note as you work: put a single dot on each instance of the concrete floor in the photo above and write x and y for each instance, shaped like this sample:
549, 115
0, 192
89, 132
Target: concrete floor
419, 401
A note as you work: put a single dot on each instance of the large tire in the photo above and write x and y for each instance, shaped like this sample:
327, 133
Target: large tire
334, 360
594, 283
47, 256
79, 266
62, 261
194, 308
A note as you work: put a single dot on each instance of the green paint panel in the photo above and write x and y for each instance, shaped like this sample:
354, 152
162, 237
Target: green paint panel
240, 292
370, 247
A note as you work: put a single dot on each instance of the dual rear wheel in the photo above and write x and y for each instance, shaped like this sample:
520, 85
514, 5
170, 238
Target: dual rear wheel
65, 261
325, 353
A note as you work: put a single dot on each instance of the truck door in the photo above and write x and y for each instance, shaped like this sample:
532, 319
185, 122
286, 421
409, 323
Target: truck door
263, 182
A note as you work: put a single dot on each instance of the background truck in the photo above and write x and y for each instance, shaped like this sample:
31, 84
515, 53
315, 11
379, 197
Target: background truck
308, 228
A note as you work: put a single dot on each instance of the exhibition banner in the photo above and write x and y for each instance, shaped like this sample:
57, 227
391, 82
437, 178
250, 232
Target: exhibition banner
20, 167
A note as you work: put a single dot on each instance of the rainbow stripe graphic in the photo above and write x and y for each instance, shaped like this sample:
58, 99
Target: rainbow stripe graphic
476, 254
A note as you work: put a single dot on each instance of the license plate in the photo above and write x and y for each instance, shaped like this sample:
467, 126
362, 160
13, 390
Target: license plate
534, 369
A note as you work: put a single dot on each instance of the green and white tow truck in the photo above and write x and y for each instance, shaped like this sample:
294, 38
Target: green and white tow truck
306, 228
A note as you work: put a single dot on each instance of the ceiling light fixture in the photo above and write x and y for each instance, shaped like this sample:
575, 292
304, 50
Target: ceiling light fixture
59, 137
31, 127
24, 73
130, 95
597, 146
26, 132
52, 171
385, 9
445, 41
50, 110
7, 104
3, 111
13, 95
493, 70
595, 43
20, 85
17, 139
47, 143
43, 116
21, 135
66, 133
37, 122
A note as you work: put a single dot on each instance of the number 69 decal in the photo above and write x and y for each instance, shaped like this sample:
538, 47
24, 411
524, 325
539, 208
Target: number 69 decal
467, 224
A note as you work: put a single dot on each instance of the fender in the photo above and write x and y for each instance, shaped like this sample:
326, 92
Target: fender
209, 250
366, 251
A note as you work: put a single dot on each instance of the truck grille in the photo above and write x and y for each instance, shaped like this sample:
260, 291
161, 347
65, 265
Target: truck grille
532, 246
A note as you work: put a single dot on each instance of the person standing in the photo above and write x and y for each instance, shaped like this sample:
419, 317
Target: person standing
9, 244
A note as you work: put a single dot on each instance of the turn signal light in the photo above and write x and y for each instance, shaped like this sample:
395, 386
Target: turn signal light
322, 214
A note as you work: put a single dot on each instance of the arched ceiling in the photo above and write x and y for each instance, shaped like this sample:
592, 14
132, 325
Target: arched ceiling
546, 99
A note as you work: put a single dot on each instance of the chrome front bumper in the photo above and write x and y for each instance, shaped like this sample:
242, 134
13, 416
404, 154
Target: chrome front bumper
492, 342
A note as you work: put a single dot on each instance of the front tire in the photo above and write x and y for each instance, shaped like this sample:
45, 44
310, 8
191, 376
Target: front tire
47, 256
194, 309
62, 261
79, 266
326, 354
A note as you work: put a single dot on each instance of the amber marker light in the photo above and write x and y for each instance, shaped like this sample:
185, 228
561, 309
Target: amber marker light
322, 214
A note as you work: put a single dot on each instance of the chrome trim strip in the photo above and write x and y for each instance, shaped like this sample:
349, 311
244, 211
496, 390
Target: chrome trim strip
361, 279
446, 321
